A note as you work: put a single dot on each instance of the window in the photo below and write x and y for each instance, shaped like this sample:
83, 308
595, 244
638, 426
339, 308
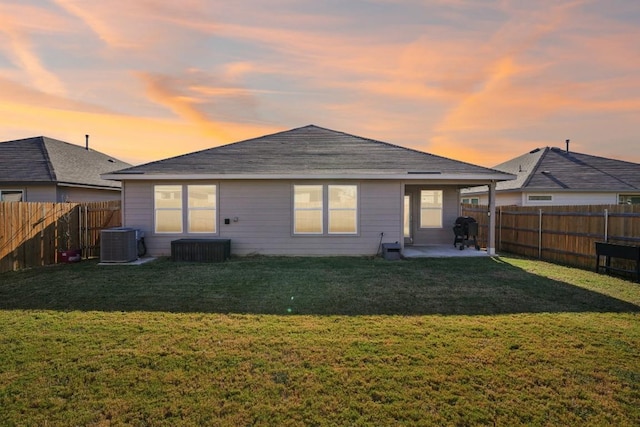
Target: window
629, 199
307, 207
11, 196
171, 206
407, 216
343, 203
472, 201
202, 208
431, 209
311, 217
540, 198
168, 208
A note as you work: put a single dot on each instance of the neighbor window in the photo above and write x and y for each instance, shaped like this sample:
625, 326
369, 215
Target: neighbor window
11, 196
472, 201
307, 209
540, 198
168, 208
311, 217
185, 207
629, 199
431, 209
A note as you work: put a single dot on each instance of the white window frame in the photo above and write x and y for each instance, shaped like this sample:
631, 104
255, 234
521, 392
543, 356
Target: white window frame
11, 191
439, 209
325, 210
185, 210
308, 209
334, 209
195, 209
157, 209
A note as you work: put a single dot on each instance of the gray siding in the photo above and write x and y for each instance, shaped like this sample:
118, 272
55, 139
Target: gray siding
52, 193
37, 193
81, 195
264, 218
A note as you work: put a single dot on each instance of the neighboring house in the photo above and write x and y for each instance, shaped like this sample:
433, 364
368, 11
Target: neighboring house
42, 169
553, 176
306, 191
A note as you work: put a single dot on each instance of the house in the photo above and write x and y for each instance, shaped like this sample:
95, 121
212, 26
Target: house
42, 169
306, 191
553, 176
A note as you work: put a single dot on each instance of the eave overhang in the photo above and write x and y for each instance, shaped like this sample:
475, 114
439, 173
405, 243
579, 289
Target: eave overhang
412, 176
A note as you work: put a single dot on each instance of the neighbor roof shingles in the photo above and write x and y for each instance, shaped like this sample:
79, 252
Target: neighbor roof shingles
547, 169
41, 160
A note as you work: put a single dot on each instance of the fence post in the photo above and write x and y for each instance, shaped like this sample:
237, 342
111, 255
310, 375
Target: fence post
500, 228
606, 225
539, 233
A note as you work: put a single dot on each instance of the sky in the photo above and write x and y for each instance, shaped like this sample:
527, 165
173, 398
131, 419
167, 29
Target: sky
480, 81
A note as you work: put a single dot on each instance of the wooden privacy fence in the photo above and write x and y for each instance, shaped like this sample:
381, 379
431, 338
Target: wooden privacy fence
31, 234
562, 234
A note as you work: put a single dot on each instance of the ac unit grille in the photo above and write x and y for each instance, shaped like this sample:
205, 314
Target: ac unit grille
118, 245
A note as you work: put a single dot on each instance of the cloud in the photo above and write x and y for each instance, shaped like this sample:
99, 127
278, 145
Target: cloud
134, 139
137, 25
19, 48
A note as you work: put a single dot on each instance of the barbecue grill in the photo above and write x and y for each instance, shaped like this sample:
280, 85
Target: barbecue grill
465, 230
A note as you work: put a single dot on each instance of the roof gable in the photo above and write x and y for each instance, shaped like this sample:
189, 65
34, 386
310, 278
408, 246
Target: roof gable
551, 169
559, 169
308, 150
46, 160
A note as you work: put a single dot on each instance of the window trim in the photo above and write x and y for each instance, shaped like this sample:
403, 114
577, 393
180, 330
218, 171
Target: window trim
190, 209
185, 210
627, 196
354, 210
326, 210
13, 191
321, 209
441, 209
156, 209
543, 198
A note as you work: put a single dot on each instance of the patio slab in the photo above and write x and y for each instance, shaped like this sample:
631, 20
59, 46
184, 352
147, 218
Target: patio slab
139, 261
441, 251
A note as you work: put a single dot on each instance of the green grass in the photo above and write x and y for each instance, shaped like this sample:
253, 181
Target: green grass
319, 341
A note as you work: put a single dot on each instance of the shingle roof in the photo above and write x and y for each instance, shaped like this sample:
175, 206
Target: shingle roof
552, 168
41, 160
308, 150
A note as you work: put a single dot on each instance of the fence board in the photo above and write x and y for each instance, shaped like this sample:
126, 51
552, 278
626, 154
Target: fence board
562, 234
32, 233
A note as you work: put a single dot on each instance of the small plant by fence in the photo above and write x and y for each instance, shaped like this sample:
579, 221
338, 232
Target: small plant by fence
32, 234
562, 234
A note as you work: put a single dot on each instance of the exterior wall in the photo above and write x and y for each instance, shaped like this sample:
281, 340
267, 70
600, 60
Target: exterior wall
34, 193
80, 195
264, 212
52, 193
567, 199
450, 211
558, 198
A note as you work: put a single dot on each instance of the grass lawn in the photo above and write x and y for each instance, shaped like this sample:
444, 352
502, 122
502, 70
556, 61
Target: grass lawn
319, 341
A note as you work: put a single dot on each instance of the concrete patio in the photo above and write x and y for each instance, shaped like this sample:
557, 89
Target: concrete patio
441, 251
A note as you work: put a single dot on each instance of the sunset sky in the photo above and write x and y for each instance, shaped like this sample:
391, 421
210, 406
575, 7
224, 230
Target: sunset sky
476, 80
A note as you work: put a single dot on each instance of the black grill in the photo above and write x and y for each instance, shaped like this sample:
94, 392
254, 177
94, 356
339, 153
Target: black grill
465, 230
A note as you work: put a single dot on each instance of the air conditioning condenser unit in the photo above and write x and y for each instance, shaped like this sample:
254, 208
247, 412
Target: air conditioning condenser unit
118, 245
